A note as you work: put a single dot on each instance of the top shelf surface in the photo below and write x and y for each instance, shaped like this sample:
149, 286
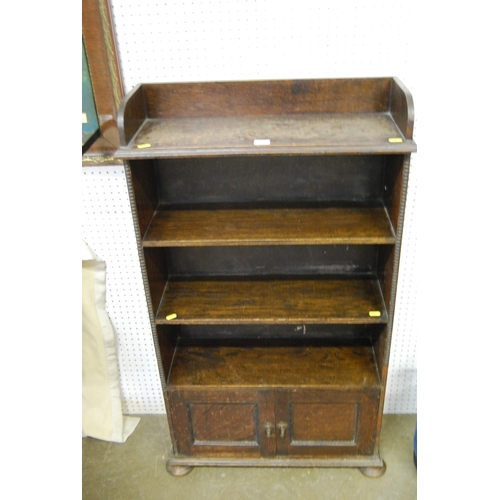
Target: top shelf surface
267, 117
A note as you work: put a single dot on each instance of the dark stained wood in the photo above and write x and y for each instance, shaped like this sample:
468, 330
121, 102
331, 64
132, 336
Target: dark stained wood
104, 146
383, 377
396, 180
268, 259
144, 192
287, 334
393, 182
167, 342
386, 273
306, 130
374, 471
401, 107
223, 423
301, 134
280, 461
397, 172
267, 411
272, 260
98, 36
209, 99
327, 423
301, 117
268, 423
342, 419
178, 470
327, 301
132, 114
305, 366
269, 227
287, 180
156, 269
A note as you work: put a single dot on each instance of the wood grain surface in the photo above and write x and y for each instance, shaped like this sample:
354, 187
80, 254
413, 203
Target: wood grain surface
269, 227
302, 134
340, 301
222, 366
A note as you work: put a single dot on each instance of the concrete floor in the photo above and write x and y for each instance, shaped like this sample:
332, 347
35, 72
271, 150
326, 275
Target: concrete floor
136, 470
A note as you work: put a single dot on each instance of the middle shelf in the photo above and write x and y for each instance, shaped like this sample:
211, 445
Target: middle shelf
269, 226
273, 301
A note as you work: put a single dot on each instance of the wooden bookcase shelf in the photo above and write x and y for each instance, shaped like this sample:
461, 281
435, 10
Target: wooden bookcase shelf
285, 226
295, 117
268, 301
270, 216
337, 367
302, 134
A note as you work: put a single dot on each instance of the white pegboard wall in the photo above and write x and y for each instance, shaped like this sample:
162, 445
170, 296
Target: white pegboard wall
401, 392
203, 40
210, 40
107, 227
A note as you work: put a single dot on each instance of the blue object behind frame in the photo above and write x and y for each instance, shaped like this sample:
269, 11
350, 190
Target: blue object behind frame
415, 446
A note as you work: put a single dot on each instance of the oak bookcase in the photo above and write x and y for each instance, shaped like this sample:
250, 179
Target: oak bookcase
270, 217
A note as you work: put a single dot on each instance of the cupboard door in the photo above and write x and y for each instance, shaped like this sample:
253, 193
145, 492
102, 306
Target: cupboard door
222, 423
312, 423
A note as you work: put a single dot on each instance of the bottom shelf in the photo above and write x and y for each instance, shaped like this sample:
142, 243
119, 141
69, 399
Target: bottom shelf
215, 365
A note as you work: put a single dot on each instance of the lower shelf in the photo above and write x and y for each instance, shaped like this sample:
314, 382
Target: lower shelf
215, 365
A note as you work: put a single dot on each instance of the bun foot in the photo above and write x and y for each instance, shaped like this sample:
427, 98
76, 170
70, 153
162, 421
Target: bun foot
373, 471
178, 470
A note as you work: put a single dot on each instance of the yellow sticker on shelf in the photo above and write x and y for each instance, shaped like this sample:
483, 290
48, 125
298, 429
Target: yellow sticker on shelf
393, 140
374, 314
171, 317
144, 146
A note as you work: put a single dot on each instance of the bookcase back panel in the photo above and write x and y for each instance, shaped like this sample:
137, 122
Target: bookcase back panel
298, 260
352, 179
277, 335
279, 97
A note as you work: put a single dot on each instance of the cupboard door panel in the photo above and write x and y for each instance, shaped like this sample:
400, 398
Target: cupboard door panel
223, 423
334, 422
326, 422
